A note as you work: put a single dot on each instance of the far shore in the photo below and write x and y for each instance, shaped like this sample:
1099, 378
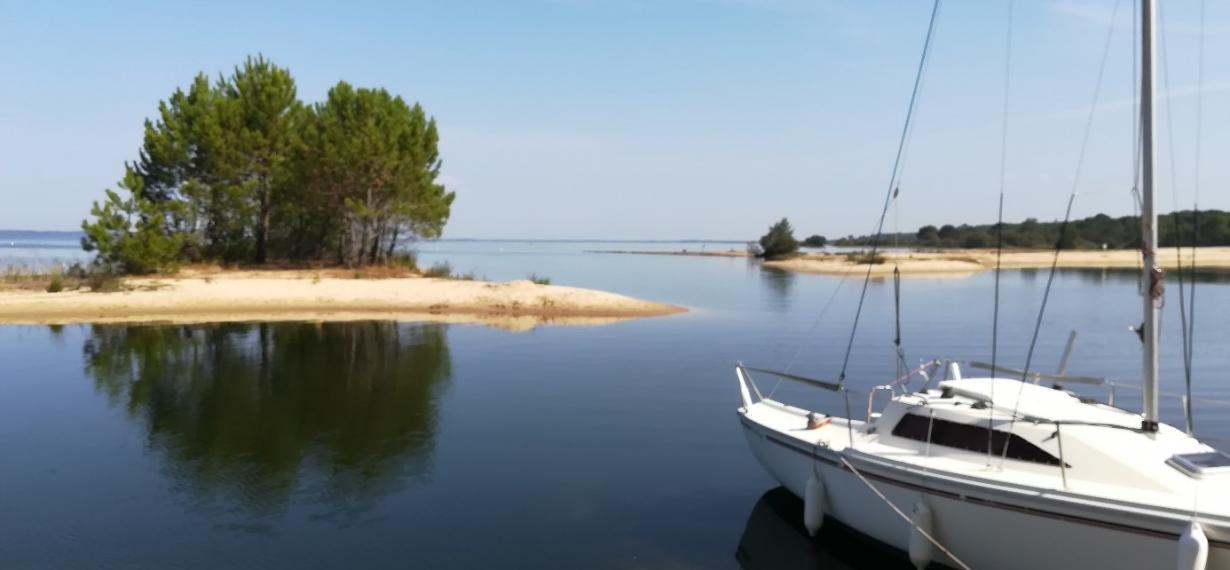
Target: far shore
957, 262
308, 295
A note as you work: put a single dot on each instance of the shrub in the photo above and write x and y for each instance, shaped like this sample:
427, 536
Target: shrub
815, 241
56, 285
406, 259
441, 270
132, 234
779, 242
866, 258
76, 271
538, 279
103, 282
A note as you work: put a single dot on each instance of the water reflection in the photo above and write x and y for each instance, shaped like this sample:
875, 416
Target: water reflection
339, 414
778, 284
775, 539
1110, 275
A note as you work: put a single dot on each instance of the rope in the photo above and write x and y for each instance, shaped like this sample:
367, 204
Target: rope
1063, 228
999, 226
904, 516
892, 183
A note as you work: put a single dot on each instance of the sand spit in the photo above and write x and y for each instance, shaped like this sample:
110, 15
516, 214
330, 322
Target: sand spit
968, 261
959, 262
306, 295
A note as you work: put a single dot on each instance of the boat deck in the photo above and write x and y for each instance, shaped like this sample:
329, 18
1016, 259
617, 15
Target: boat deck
1156, 486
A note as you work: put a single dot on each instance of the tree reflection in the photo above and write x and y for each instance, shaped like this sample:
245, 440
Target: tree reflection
343, 412
779, 283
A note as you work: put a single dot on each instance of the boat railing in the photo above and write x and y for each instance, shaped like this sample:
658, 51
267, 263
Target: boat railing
871, 398
752, 393
1183, 399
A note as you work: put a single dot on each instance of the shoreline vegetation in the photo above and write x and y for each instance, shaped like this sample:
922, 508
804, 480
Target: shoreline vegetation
239, 170
214, 295
958, 262
1204, 228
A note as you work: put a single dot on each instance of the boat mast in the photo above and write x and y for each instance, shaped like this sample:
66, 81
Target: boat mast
1152, 275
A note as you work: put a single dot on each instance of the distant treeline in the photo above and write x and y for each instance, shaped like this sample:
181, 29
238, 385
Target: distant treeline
238, 170
1206, 228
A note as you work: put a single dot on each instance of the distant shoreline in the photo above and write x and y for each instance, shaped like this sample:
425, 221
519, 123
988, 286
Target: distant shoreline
699, 253
958, 262
321, 296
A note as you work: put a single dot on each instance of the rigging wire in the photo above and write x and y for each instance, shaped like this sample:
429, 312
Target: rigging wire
892, 183
1067, 218
902, 367
1137, 133
815, 323
1184, 305
999, 226
1191, 319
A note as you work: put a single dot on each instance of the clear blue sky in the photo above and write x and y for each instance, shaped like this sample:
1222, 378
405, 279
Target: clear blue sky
638, 118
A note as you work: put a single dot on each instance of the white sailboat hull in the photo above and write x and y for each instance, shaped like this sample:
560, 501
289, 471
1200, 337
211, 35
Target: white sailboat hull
981, 528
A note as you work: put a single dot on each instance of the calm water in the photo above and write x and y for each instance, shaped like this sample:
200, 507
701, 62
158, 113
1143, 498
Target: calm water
393, 445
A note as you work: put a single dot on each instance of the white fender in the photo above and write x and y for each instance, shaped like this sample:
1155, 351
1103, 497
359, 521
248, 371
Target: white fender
1193, 548
920, 547
813, 505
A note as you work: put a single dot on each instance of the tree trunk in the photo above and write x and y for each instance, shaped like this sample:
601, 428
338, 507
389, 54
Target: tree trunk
374, 254
262, 225
393, 241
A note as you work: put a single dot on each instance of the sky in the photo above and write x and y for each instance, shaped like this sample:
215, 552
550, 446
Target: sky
652, 119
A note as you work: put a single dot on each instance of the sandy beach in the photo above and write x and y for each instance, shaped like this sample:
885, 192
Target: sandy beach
308, 295
968, 261
959, 262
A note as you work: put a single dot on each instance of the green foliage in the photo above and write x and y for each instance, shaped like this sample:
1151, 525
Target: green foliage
538, 279
866, 258
258, 117
1088, 233
441, 270
779, 241
103, 282
815, 241
405, 259
132, 233
369, 164
975, 239
240, 171
56, 285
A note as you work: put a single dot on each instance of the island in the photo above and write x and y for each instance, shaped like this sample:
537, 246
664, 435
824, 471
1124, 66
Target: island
319, 295
247, 203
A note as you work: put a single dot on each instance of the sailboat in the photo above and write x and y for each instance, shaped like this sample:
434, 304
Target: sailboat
1006, 473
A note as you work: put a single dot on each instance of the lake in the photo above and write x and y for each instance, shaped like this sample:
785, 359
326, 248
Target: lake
393, 445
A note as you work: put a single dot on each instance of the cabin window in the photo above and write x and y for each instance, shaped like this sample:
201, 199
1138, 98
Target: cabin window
970, 438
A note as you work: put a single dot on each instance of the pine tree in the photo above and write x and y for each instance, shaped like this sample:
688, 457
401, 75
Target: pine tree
779, 241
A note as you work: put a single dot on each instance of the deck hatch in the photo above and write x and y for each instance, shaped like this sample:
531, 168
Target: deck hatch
1201, 465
